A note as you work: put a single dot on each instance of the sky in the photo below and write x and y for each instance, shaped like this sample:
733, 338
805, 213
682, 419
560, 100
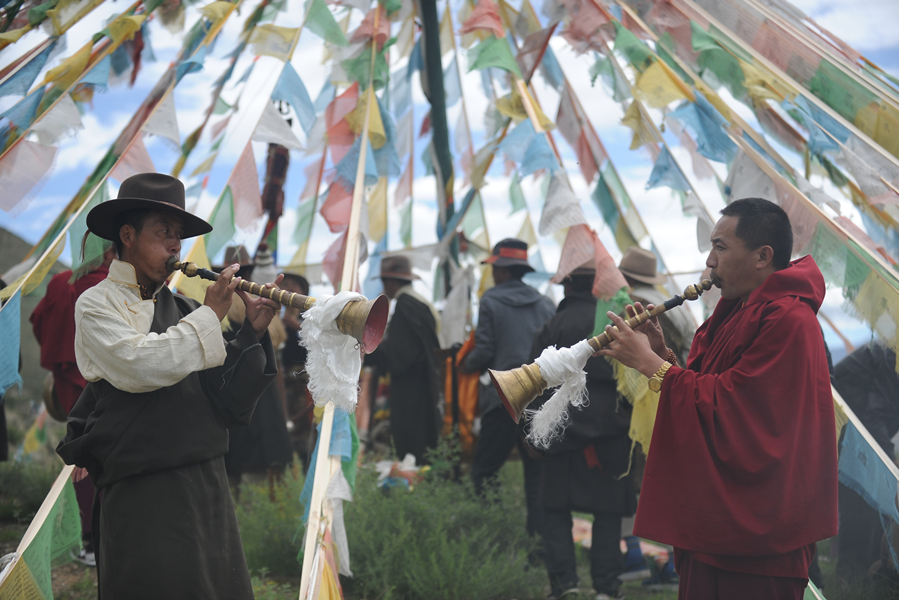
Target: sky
871, 31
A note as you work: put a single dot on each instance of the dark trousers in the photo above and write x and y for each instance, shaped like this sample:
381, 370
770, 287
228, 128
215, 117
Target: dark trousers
499, 434
699, 581
860, 535
606, 559
84, 493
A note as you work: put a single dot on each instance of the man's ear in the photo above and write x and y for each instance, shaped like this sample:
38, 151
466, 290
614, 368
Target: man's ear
128, 235
765, 257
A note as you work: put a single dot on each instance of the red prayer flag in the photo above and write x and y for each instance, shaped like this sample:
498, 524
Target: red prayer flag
485, 16
336, 208
404, 187
244, 182
365, 31
332, 262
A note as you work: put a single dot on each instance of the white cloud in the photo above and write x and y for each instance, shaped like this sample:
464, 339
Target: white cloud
867, 26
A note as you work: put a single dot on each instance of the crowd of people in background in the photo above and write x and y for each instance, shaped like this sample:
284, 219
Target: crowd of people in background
594, 467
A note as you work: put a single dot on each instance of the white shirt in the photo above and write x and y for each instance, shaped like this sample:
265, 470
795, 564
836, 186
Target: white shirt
113, 339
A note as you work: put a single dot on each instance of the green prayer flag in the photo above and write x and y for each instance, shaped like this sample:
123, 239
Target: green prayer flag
603, 200
222, 222
636, 51
611, 78
305, 215
516, 197
221, 107
473, 221
615, 304
702, 39
321, 22
840, 91
840, 267
271, 240
493, 52
358, 69
391, 6
728, 43
726, 69
406, 224
93, 246
666, 55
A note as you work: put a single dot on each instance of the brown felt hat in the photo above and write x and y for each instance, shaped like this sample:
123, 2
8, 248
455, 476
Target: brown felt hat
396, 266
145, 191
237, 255
640, 264
587, 269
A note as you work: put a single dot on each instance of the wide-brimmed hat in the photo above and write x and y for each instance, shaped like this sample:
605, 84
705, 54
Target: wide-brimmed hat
509, 252
237, 255
396, 266
153, 191
640, 264
588, 269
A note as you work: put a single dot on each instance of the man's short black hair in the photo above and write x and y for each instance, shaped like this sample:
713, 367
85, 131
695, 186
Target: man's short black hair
136, 218
579, 283
763, 223
518, 271
299, 280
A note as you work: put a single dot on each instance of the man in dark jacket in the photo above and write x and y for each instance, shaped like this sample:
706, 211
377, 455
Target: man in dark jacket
583, 469
407, 352
509, 317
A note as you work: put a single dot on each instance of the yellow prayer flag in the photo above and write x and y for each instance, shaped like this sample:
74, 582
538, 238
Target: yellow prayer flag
195, 287
758, 85
272, 40
299, 259
125, 27
526, 233
376, 133
37, 276
446, 31
405, 39
876, 304
486, 280
881, 123
529, 16
329, 589
656, 88
482, 162
634, 387
377, 211
840, 418
206, 165
511, 106
217, 10
69, 71
643, 131
11, 37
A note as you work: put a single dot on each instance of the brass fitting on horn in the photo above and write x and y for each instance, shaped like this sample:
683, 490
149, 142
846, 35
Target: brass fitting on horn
518, 387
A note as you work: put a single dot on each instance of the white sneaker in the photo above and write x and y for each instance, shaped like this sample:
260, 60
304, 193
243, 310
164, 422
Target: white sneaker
86, 558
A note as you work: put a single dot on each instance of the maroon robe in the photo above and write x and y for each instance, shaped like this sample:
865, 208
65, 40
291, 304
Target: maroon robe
742, 472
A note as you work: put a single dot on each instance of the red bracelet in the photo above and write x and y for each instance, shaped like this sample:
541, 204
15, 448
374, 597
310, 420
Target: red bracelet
671, 358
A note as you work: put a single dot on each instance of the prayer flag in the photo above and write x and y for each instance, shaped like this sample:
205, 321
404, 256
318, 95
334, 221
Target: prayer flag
94, 247
332, 267
216, 11
492, 52
561, 208
656, 87
577, 250
614, 82
446, 32
28, 283
516, 143
404, 186
20, 82
68, 71
222, 222
244, 184
516, 197
365, 31
644, 133
125, 27
484, 17
636, 51
451, 84
290, 89
272, 40
10, 330
23, 113
377, 211
709, 126
376, 132
406, 38
538, 156
666, 172
862, 470
164, 121
400, 92
584, 28
192, 64
135, 160
404, 135
273, 129
747, 180
58, 122
195, 287
406, 224
346, 168
337, 206
305, 217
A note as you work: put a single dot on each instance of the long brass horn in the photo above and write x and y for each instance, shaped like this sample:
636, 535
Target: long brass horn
363, 320
519, 387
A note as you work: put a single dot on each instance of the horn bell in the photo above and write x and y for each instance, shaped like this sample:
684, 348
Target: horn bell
518, 387
365, 321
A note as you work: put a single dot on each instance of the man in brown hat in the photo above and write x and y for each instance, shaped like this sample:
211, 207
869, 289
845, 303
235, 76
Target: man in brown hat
152, 426
510, 314
639, 269
407, 353
583, 469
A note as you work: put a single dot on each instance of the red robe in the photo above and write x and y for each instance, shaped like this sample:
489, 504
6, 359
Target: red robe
743, 468
53, 323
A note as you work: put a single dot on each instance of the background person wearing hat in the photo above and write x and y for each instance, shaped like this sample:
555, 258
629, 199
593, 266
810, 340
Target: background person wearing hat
510, 314
583, 468
151, 428
639, 269
407, 353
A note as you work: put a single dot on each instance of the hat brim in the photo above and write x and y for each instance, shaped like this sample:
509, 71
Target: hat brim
391, 275
658, 279
101, 218
505, 261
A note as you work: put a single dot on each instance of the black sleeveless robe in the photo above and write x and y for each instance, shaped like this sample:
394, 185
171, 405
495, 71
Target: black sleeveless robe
163, 509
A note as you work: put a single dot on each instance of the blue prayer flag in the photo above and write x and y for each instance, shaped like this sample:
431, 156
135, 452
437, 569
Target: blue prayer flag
862, 470
341, 445
290, 89
515, 144
23, 112
709, 126
400, 93
551, 71
667, 173
325, 96
818, 141
98, 76
451, 87
22, 80
192, 64
372, 287
346, 168
10, 331
539, 155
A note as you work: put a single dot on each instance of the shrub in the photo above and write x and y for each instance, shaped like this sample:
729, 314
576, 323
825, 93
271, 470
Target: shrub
23, 486
268, 528
440, 541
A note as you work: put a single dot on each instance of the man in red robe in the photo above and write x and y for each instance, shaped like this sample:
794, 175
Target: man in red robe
742, 474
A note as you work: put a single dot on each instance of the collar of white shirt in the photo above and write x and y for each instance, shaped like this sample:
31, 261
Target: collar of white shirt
124, 274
